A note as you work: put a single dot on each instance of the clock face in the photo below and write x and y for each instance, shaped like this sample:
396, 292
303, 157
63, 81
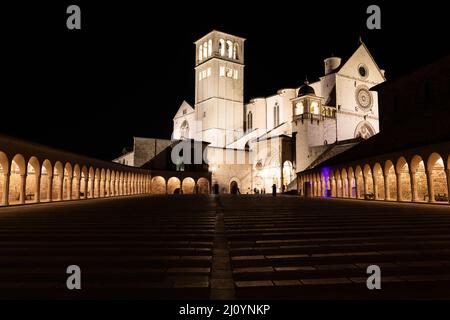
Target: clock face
364, 97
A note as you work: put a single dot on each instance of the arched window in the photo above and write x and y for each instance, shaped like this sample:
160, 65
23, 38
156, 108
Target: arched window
230, 49
184, 130
276, 115
200, 53
314, 109
236, 51
205, 50
209, 48
249, 121
222, 47
299, 108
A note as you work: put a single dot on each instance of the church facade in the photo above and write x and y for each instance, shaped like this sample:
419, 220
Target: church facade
266, 141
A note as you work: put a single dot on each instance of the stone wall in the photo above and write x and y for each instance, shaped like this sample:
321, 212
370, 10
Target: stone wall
146, 149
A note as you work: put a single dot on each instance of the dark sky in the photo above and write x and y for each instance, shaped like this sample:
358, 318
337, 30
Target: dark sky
129, 68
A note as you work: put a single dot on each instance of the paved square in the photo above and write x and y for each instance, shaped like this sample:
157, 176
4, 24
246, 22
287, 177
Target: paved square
225, 247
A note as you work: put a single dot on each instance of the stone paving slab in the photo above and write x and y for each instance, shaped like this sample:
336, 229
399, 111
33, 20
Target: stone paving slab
225, 247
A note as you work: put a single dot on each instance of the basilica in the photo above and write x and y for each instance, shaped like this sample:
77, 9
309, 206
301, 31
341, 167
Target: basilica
255, 145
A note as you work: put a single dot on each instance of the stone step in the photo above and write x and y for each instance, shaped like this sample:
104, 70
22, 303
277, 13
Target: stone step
407, 287
338, 240
334, 271
106, 261
104, 251
349, 248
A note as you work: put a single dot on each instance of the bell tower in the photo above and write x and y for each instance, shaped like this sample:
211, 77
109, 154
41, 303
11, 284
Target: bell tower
219, 87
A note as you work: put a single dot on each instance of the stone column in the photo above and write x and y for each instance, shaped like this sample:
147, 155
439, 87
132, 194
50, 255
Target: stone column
77, 192
364, 185
375, 187
102, 187
97, 186
37, 195
69, 183
386, 188
399, 187
430, 184
413, 181
23, 184
85, 191
357, 187
92, 182
60, 187
5, 196
333, 183
50, 188
138, 186
319, 185
349, 187
447, 173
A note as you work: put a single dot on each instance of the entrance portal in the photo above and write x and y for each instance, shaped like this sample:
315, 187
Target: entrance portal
234, 187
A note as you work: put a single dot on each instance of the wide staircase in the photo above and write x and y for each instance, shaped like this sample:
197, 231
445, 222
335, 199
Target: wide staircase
285, 247
152, 252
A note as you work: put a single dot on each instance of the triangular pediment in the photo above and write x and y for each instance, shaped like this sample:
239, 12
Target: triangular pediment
184, 109
362, 57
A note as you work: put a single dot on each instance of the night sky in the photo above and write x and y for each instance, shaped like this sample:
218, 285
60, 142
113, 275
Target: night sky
128, 69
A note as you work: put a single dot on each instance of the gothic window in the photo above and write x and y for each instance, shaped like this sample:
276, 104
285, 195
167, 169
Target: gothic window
205, 50
236, 51
276, 115
222, 71
249, 121
184, 130
230, 49
200, 53
184, 111
222, 47
210, 48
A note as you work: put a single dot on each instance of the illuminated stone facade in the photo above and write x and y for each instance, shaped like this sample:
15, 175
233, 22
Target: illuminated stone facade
277, 135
